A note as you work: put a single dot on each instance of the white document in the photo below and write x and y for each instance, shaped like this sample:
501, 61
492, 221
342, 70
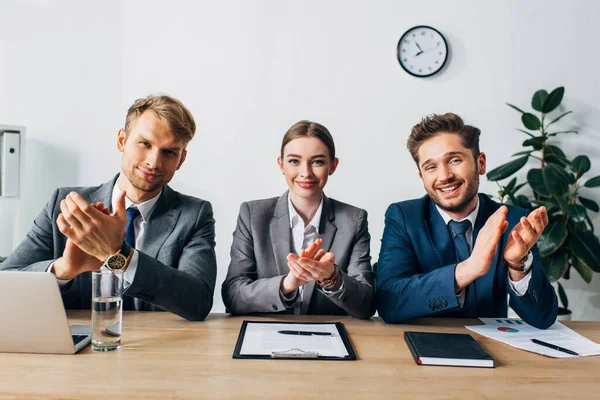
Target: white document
264, 339
516, 333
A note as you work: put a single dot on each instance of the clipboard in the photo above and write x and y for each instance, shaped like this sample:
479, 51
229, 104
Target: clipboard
294, 352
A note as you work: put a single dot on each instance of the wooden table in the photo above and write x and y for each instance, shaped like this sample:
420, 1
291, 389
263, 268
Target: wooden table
164, 356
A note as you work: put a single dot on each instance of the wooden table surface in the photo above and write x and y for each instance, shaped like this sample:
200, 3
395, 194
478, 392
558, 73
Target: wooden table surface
164, 356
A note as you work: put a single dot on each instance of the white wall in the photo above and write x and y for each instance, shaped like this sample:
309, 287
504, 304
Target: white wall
249, 69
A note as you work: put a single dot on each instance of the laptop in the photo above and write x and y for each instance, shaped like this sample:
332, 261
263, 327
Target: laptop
33, 317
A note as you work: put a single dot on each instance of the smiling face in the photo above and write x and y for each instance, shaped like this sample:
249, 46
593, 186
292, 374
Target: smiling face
306, 164
151, 155
450, 173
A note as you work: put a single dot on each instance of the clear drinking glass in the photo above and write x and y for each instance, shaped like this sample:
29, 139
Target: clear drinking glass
107, 309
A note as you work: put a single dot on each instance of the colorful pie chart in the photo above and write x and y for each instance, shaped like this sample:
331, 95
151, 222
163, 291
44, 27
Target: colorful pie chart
508, 329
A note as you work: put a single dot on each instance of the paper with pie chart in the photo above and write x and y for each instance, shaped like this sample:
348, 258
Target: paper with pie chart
515, 332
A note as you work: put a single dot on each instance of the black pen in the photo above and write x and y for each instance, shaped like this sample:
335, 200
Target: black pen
304, 333
555, 347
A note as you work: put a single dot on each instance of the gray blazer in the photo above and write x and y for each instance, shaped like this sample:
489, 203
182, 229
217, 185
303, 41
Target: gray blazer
177, 266
261, 242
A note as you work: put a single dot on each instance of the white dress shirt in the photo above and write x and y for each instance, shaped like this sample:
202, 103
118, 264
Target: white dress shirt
519, 287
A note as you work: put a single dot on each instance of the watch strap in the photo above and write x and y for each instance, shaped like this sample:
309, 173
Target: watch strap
523, 265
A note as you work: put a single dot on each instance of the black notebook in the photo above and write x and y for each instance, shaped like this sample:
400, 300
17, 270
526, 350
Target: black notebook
458, 350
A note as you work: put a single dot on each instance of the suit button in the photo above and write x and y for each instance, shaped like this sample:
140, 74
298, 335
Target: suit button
274, 307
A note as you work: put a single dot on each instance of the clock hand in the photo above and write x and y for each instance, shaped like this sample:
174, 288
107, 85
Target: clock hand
419, 53
419, 47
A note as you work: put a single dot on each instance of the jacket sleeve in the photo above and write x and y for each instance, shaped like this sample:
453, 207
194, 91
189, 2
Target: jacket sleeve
243, 291
188, 289
38, 250
539, 305
404, 291
357, 297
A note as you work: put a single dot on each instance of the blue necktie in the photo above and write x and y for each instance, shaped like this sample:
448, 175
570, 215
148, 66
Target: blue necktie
460, 229
463, 252
132, 214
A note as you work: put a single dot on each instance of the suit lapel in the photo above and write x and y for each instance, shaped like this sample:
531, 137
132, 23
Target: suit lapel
440, 237
281, 235
104, 194
327, 231
161, 222
485, 284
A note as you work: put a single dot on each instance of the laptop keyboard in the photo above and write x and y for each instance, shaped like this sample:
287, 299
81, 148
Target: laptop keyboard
78, 338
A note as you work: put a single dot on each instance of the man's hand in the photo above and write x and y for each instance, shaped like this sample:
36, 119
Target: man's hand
75, 261
91, 229
478, 264
523, 237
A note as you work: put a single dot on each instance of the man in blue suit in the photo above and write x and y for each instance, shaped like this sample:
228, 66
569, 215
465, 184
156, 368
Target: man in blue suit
454, 252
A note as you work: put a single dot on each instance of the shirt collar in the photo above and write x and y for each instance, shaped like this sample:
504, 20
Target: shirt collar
472, 217
295, 217
144, 208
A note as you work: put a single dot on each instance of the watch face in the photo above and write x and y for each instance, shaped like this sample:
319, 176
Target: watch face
422, 51
116, 261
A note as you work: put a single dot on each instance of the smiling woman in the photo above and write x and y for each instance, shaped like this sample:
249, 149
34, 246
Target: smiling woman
276, 264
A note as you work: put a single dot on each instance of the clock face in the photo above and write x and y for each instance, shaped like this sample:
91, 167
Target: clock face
422, 51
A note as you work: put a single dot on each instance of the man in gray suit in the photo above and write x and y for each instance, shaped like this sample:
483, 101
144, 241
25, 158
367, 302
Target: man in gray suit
167, 238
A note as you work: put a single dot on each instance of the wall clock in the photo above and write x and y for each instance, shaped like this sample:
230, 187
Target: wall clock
422, 51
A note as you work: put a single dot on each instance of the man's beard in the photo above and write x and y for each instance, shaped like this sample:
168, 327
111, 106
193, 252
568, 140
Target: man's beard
138, 183
461, 206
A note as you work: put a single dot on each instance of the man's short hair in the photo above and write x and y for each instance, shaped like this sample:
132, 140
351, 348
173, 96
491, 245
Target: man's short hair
433, 125
170, 110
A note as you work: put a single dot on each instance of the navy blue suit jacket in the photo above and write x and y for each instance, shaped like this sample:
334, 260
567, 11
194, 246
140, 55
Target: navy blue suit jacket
415, 273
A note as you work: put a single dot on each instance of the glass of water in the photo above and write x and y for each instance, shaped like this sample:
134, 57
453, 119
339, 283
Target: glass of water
107, 309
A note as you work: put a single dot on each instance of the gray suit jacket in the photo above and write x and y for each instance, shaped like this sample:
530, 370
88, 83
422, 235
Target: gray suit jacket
177, 265
261, 242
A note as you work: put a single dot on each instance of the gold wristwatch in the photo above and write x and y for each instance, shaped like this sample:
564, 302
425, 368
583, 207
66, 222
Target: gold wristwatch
524, 265
118, 260
329, 283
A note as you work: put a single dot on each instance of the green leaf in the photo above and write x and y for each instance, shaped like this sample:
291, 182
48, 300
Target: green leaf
563, 204
506, 170
523, 202
519, 186
589, 204
580, 165
555, 265
520, 153
585, 271
550, 206
525, 132
536, 142
548, 181
558, 118
553, 100
563, 296
509, 187
516, 108
585, 246
559, 132
554, 154
594, 182
531, 122
552, 238
577, 212
538, 100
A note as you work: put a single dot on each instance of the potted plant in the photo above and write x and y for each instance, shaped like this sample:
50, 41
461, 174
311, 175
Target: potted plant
555, 182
